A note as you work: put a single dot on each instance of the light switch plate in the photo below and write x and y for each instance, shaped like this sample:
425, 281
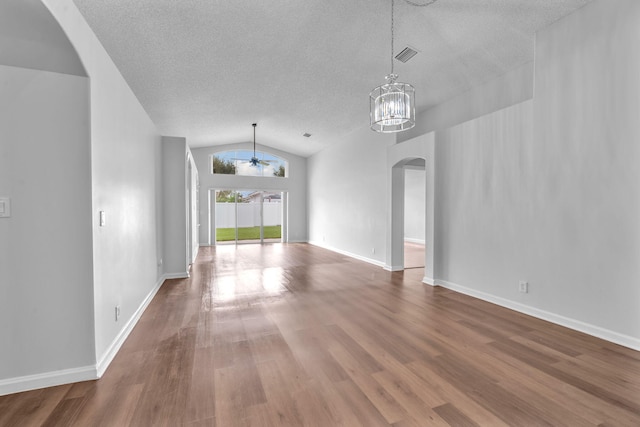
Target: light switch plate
103, 218
5, 207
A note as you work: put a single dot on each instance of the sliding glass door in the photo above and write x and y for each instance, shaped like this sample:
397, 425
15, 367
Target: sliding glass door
248, 216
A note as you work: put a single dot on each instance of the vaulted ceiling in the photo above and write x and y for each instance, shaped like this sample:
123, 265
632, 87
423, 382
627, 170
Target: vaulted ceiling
207, 69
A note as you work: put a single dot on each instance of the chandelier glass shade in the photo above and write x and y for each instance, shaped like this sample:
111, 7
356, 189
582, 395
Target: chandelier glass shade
392, 106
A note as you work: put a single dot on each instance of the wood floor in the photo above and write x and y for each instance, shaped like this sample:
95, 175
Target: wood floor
413, 255
294, 335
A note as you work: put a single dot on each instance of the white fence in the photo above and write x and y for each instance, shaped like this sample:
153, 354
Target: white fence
248, 214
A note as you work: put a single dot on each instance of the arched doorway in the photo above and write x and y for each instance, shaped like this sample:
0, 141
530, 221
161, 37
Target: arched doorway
417, 151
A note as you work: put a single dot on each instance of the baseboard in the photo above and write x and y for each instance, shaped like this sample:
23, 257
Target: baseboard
393, 267
113, 349
428, 281
47, 379
184, 275
416, 241
86, 373
577, 325
349, 254
299, 241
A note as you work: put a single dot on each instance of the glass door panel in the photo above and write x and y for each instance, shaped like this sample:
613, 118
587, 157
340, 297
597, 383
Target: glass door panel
272, 216
248, 216
249, 223
225, 208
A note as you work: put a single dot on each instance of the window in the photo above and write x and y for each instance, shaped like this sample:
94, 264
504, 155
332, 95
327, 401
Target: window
238, 162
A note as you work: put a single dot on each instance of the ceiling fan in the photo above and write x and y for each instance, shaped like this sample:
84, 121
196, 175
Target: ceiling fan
254, 160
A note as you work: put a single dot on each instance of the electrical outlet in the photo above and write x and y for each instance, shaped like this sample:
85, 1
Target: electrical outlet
524, 287
160, 262
117, 312
373, 250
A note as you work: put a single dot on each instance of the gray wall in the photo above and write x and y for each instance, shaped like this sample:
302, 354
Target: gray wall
542, 187
32, 38
348, 195
174, 179
295, 184
76, 147
46, 293
125, 149
414, 205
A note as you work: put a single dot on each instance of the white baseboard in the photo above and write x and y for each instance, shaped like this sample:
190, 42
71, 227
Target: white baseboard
428, 281
184, 275
85, 373
416, 241
300, 241
113, 349
349, 254
393, 267
596, 331
47, 379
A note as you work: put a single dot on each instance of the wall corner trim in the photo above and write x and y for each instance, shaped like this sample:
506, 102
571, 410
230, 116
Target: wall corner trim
428, 281
577, 325
349, 254
113, 349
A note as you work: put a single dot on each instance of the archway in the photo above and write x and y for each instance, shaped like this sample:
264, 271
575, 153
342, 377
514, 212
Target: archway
419, 149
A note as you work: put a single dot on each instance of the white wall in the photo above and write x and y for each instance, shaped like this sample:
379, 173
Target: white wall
295, 185
540, 188
348, 195
586, 199
125, 149
484, 184
414, 205
174, 178
46, 293
31, 38
548, 190
512, 88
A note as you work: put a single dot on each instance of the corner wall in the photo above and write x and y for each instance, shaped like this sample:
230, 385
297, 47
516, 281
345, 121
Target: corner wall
543, 189
125, 149
547, 191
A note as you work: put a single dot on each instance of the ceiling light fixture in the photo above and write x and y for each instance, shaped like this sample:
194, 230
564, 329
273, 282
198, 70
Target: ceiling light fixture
392, 105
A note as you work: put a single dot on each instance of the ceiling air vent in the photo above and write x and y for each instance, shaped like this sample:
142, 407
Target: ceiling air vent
306, 135
406, 54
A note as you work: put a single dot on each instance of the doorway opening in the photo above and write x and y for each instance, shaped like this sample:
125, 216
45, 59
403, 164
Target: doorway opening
248, 216
414, 214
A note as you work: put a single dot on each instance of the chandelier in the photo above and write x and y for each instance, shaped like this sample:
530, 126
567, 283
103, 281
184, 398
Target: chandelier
392, 105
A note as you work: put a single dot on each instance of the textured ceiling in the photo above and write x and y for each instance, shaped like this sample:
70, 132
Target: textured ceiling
207, 69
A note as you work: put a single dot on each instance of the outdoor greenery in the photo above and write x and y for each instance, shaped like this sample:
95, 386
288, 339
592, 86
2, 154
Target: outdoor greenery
223, 166
228, 167
248, 233
227, 196
279, 171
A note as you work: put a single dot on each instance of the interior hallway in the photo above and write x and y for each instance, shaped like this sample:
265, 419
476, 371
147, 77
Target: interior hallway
292, 334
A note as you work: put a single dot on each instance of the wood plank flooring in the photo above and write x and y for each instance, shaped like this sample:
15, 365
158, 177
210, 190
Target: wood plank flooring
294, 335
413, 255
